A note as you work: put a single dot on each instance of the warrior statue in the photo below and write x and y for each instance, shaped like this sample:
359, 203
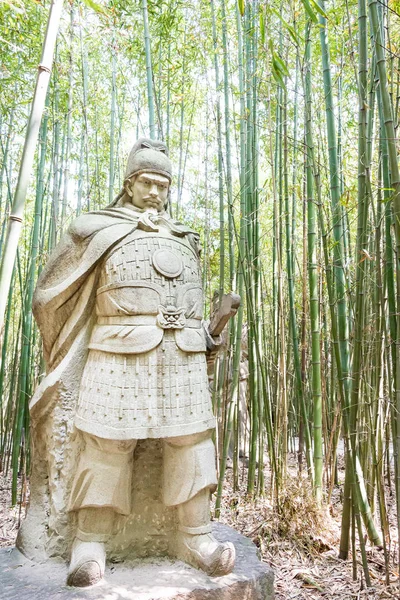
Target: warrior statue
120, 310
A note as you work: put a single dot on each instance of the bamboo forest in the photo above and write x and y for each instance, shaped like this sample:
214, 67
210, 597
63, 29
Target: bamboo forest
281, 119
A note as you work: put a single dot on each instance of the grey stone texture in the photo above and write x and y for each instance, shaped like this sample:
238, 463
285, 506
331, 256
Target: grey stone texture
149, 579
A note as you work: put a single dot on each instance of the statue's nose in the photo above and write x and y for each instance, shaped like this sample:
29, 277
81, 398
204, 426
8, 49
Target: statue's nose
153, 190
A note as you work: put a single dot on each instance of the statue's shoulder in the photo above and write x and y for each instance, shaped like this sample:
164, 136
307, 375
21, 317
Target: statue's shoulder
88, 224
178, 226
83, 226
192, 236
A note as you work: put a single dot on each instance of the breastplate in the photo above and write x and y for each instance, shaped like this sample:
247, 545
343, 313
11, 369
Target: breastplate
148, 271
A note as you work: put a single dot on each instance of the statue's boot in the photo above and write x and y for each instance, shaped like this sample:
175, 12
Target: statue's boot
88, 556
203, 551
88, 560
195, 543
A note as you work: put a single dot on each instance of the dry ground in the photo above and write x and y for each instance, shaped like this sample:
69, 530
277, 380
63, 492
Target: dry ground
301, 545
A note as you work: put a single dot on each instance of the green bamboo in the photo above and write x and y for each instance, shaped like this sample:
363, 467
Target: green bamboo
168, 116
292, 309
250, 251
3, 405
339, 272
336, 206
56, 162
313, 279
32, 132
229, 190
85, 137
67, 156
220, 167
181, 127
5, 154
112, 122
21, 408
362, 218
149, 71
395, 185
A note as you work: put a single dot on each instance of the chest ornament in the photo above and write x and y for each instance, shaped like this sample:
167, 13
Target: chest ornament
167, 263
170, 317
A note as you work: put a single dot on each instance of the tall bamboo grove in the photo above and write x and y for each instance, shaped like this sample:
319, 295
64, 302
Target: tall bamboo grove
281, 119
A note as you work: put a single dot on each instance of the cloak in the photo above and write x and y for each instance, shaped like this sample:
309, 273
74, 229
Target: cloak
63, 306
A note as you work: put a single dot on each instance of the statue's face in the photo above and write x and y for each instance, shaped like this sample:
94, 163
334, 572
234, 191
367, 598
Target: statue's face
148, 191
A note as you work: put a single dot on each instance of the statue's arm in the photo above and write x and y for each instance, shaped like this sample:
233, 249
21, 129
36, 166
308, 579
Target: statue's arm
224, 309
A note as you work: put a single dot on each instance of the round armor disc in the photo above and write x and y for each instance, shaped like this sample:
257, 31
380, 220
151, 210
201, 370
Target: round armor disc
167, 263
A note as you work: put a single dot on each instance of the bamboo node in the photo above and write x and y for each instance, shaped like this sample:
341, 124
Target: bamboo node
15, 218
43, 67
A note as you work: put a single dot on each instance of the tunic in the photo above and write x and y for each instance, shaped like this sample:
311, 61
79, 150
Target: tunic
145, 375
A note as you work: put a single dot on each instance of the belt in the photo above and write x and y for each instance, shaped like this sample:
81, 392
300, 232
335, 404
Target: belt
142, 320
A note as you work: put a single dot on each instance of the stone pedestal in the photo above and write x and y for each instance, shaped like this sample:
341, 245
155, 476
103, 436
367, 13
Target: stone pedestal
148, 579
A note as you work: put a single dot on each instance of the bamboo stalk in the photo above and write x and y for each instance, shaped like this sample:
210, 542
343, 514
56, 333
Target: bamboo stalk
112, 122
313, 280
15, 218
149, 71
220, 167
69, 120
292, 309
395, 184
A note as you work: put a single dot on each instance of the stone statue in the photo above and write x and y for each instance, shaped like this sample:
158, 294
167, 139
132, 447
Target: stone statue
120, 307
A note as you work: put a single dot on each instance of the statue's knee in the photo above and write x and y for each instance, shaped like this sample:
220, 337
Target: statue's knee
189, 467
103, 476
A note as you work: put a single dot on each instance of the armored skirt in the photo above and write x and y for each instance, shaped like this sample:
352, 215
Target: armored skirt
161, 393
145, 375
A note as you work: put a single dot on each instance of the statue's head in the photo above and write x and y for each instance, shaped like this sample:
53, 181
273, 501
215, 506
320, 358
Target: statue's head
148, 176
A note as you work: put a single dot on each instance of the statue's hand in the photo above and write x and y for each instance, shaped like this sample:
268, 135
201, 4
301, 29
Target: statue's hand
223, 311
213, 342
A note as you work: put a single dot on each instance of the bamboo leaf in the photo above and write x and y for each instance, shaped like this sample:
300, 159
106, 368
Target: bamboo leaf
310, 11
14, 7
277, 76
241, 5
295, 36
277, 61
292, 32
318, 8
262, 27
276, 66
95, 6
281, 64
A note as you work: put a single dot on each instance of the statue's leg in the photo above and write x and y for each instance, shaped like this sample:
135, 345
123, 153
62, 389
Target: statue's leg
189, 478
101, 488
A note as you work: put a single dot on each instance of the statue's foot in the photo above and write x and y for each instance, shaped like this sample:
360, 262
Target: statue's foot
88, 560
204, 552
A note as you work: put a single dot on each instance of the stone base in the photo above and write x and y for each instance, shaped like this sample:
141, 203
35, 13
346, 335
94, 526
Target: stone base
148, 579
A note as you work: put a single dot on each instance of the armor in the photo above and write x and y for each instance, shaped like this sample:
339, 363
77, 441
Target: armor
146, 374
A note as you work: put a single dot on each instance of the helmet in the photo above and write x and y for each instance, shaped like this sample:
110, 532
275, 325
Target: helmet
149, 156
